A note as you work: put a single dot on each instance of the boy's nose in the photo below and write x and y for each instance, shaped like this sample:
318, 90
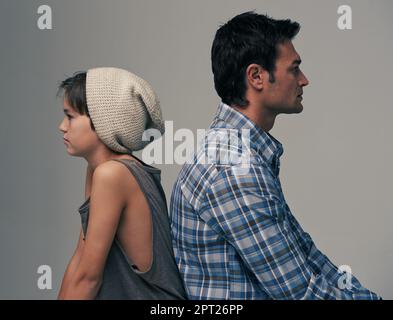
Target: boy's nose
62, 126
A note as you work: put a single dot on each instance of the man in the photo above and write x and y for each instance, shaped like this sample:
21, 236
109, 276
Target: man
234, 235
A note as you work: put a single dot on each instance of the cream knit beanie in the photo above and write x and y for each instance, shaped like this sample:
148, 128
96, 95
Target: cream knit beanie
121, 106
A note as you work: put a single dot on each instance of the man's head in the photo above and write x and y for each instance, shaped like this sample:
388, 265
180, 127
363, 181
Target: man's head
253, 59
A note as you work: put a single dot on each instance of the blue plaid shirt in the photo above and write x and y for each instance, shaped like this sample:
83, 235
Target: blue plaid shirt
234, 236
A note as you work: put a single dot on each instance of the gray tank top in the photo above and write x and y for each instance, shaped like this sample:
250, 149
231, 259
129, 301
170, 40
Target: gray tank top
120, 279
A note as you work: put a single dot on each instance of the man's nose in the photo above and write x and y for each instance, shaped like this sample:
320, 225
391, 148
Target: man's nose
304, 81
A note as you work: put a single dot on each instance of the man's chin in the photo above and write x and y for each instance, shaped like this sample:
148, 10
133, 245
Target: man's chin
294, 110
299, 109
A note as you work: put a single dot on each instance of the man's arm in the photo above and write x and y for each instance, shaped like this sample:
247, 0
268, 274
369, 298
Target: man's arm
248, 211
322, 264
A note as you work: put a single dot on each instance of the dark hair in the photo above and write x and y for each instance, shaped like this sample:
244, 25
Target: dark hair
245, 39
74, 89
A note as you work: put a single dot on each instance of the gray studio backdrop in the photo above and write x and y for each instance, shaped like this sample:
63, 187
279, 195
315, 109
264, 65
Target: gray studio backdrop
336, 168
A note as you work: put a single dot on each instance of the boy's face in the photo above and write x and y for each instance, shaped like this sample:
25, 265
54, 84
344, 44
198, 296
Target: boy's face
284, 95
78, 136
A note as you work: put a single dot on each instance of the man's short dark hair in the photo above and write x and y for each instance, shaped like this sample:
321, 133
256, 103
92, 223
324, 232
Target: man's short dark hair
245, 39
74, 89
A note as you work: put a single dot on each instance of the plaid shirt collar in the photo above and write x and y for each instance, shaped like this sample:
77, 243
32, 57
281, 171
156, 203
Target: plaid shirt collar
269, 148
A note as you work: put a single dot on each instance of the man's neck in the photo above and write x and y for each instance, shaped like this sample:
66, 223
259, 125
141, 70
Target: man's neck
260, 117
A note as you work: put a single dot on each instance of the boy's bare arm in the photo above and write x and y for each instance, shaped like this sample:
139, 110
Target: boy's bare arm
74, 261
89, 176
72, 266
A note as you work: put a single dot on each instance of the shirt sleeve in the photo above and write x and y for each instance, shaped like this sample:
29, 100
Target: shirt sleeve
248, 211
334, 276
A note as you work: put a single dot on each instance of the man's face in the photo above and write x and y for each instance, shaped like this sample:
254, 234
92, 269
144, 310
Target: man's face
80, 139
285, 94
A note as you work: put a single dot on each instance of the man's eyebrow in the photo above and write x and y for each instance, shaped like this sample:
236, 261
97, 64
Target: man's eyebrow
66, 111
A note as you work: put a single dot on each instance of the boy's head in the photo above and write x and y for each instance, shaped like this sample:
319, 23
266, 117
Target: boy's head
74, 93
119, 106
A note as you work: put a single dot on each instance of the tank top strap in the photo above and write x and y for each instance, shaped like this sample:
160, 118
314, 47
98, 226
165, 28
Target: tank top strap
148, 177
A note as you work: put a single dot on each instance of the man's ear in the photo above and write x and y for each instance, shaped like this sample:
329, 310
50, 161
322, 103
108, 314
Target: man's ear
255, 76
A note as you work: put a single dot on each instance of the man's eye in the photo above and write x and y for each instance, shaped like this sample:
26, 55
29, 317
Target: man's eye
69, 117
296, 70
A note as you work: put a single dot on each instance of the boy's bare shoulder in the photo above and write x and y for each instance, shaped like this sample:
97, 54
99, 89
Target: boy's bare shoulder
114, 172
